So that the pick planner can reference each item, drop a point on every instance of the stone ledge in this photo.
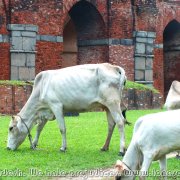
(144, 34)
(22, 51)
(100, 42)
(95, 42)
(144, 55)
(4, 38)
(49, 38)
(158, 46)
(21, 34)
(22, 27)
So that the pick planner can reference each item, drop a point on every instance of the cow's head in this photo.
(123, 172)
(17, 133)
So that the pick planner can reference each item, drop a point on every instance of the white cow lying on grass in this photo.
(154, 136)
(173, 97)
(73, 89)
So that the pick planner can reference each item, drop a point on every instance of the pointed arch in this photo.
(84, 28)
(171, 53)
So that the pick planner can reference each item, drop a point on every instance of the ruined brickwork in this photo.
(142, 36)
(13, 98)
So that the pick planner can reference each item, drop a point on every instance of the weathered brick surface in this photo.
(6, 99)
(136, 99)
(4, 61)
(158, 67)
(116, 19)
(21, 94)
(120, 19)
(48, 56)
(123, 56)
(13, 98)
(93, 54)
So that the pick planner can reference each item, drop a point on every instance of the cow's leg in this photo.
(178, 155)
(147, 160)
(58, 112)
(162, 163)
(119, 120)
(111, 125)
(38, 131)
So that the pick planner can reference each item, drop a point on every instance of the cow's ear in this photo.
(14, 121)
(13, 118)
(120, 167)
(10, 128)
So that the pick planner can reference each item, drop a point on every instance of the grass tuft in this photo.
(138, 86)
(15, 82)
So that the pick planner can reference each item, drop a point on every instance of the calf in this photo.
(154, 136)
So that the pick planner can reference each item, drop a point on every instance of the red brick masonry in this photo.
(13, 98)
(76, 21)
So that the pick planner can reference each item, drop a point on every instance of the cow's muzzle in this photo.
(8, 148)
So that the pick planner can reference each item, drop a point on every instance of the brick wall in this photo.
(167, 12)
(123, 56)
(158, 67)
(92, 54)
(4, 61)
(120, 19)
(13, 98)
(109, 25)
(48, 55)
(171, 54)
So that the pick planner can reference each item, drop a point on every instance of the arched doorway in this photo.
(171, 54)
(84, 34)
(70, 44)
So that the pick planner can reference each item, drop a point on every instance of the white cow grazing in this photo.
(154, 136)
(73, 89)
(173, 97)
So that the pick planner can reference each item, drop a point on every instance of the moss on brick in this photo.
(129, 85)
(15, 83)
(138, 86)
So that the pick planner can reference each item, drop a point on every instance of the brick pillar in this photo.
(144, 55)
(23, 42)
(4, 57)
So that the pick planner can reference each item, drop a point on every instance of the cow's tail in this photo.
(125, 120)
(123, 76)
(122, 79)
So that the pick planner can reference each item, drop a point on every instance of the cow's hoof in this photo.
(104, 149)
(33, 147)
(117, 177)
(121, 154)
(63, 149)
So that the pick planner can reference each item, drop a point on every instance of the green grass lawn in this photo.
(85, 136)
